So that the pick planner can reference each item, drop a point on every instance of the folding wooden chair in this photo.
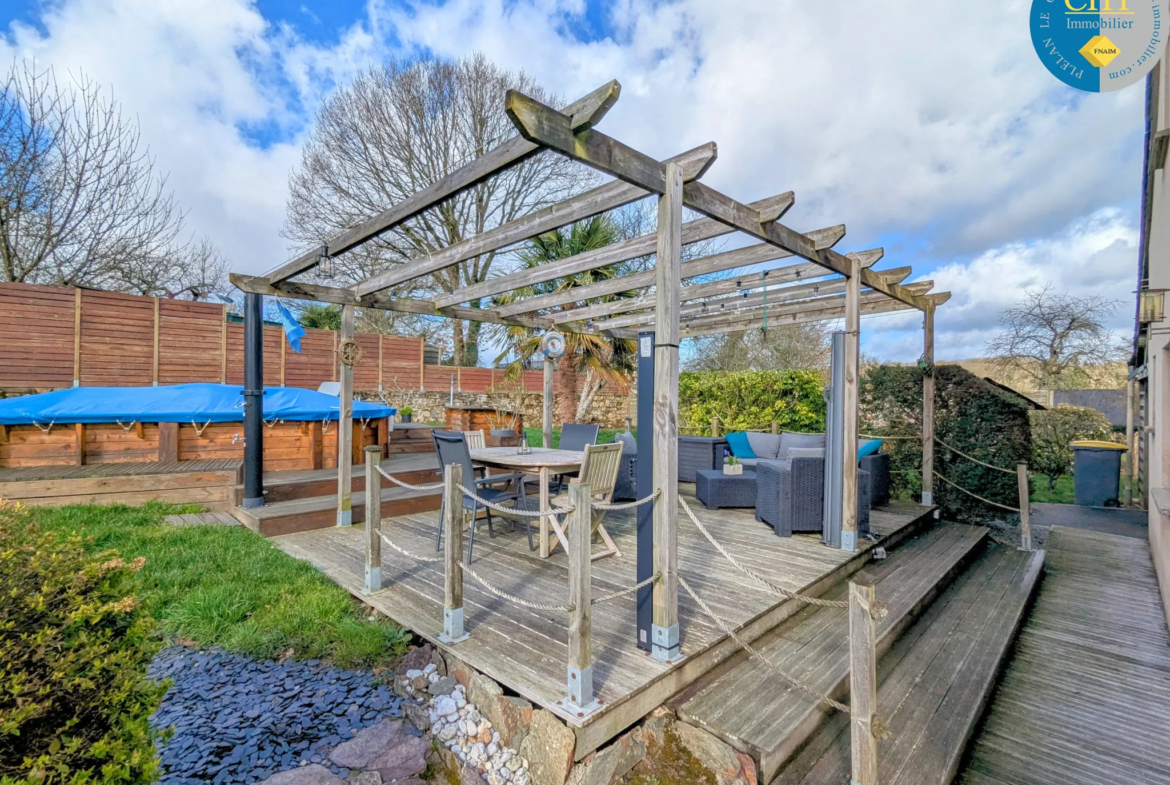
(600, 466)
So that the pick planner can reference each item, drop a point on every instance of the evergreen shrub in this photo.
(751, 400)
(75, 700)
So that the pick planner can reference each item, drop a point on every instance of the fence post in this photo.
(775, 428)
(714, 427)
(580, 675)
(1025, 517)
(373, 520)
(452, 551)
(862, 682)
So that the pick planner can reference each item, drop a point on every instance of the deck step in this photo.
(750, 708)
(319, 512)
(936, 679)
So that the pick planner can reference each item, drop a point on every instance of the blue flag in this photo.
(292, 328)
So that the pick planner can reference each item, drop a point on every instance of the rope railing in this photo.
(763, 582)
(630, 590)
(611, 507)
(819, 697)
(512, 510)
(503, 595)
(957, 487)
(408, 554)
(400, 483)
(974, 459)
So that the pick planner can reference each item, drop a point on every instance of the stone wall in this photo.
(609, 410)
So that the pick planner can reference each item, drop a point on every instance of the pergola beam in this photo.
(592, 202)
(583, 113)
(828, 314)
(715, 263)
(692, 232)
(544, 125)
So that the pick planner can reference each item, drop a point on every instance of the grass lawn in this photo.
(225, 586)
(604, 436)
(1061, 493)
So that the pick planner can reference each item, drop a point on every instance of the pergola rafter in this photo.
(825, 285)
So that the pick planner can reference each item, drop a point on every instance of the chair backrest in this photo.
(600, 466)
(574, 436)
(451, 447)
(475, 440)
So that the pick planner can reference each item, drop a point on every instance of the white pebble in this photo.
(492, 749)
(496, 736)
(430, 668)
(512, 763)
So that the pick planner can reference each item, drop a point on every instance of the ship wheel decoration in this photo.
(350, 353)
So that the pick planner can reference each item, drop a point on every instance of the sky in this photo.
(930, 129)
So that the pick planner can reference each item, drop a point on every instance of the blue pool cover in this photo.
(198, 403)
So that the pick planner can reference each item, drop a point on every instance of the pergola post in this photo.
(665, 644)
(345, 427)
(928, 405)
(547, 403)
(849, 428)
(253, 400)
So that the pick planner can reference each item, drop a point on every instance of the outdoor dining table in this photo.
(543, 461)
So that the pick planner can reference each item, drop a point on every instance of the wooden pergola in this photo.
(820, 284)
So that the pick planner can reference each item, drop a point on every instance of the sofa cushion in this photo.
(740, 446)
(789, 440)
(764, 445)
(629, 443)
(867, 447)
(806, 452)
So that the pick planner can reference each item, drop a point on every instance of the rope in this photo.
(809, 691)
(627, 505)
(273, 423)
(513, 510)
(756, 578)
(975, 496)
(975, 460)
(400, 483)
(408, 554)
(46, 429)
(324, 426)
(630, 590)
(503, 595)
(126, 428)
(199, 430)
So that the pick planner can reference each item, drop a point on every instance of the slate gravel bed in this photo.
(237, 720)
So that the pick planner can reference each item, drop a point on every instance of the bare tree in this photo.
(1052, 338)
(195, 272)
(398, 128)
(80, 200)
(804, 346)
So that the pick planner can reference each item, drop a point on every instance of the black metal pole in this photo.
(644, 482)
(253, 400)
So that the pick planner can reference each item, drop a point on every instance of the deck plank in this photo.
(1086, 698)
(526, 650)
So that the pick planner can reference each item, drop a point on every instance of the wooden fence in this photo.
(58, 337)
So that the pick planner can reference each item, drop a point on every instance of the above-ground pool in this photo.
(86, 425)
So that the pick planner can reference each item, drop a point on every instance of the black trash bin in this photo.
(1097, 473)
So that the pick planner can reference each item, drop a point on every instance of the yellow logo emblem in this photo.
(1100, 51)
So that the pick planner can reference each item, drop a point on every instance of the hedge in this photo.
(751, 400)
(75, 701)
(971, 415)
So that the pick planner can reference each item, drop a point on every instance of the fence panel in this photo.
(314, 364)
(117, 340)
(39, 321)
(190, 342)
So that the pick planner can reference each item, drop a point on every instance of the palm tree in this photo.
(602, 359)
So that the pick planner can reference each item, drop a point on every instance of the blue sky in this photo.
(954, 149)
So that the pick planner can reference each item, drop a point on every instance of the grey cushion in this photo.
(764, 445)
(790, 440)
(629, 443)
(806, 452)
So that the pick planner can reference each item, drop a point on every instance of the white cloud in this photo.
(930, 127)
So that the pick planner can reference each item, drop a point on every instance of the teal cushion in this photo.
(740, 448)
(868, 448)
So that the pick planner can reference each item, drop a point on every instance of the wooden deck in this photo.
(210, 482)
(526, 650)
(31, 473)
(1086, 698)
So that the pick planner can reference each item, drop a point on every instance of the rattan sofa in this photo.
(790, 495)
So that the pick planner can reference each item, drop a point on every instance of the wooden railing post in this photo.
(453, 631)
(1025, 513)
(580, 676)
(775, 428)
(862, 682)
(373, 520)
(714, 427)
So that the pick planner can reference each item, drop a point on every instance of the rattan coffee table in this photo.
(716, 489)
